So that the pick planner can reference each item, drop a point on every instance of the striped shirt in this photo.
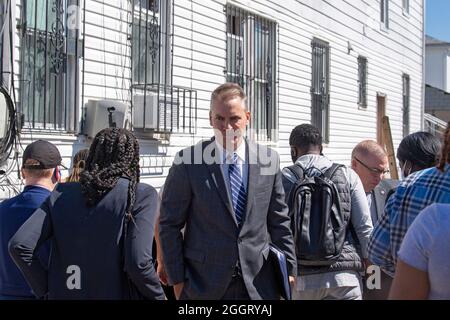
(415, 193)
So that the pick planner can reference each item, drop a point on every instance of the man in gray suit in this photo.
(227, 194)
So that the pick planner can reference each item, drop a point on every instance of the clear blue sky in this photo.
(437, 21)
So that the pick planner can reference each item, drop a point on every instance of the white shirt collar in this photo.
(225, 154)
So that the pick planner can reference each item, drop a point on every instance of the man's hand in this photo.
(366, 264)
(292, 281)
(177, 288)
(161, 272)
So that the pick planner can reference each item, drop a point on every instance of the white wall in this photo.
(435, 67)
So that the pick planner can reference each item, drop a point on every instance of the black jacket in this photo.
(87, 259)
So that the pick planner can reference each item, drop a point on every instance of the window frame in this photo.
(362, 82)
(163, 57)
(59, 74)
(384, 14)
(320, 87)
(254, 66)
(406, 103)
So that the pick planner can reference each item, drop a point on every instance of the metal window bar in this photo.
(362, 82)
(251, 47)
(157, 105)
(45, 81)
(406, 100)
(384, 13)
(320, 87)
(406, 6)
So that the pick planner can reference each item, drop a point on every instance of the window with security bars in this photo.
(48, 88)
(251, 48)
(151, 58)
(384, 13)
(362, 82)
(406, 100)
(320, 87)
(157, 105)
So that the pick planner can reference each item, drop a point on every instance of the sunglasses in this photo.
(372, 170)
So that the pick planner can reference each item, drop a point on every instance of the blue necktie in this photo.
(238, 195)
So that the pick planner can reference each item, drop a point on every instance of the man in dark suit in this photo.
(228, 195)
(370, 162)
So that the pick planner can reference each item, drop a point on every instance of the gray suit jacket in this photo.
(205, 257)
(380, 195)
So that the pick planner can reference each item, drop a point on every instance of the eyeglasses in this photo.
(372, 170)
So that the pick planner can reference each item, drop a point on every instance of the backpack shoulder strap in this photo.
(297, 171)
(332, 170)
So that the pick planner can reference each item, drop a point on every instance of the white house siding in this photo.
(199, 48)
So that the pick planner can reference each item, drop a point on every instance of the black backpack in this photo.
(318, 222)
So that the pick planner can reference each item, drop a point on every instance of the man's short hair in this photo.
(305, 135)
(228, 91)
(36, 173)
(369, 148)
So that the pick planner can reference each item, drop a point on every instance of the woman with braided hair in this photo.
(101, 229)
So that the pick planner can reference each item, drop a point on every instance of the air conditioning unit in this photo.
(167, 108)
(101, 114)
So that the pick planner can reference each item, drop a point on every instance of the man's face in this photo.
(370, 169)
(229, 119)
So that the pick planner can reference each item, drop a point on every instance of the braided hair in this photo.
(445, 156)
(114, 153)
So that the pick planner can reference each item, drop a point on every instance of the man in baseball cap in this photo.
(44, 155)
(40, 171)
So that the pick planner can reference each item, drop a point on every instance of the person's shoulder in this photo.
(388, 184)
(8, 202)
(146, 190)
(437, 209)
(145, 187)
(66, 186)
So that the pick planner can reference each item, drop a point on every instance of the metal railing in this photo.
(157, 108)
(434, 125)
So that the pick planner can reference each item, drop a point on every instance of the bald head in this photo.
(368, 148)
(370, 161)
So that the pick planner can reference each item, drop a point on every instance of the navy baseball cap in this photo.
(43, 152)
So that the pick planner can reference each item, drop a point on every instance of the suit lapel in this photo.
(219, 183)
(378, 194)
